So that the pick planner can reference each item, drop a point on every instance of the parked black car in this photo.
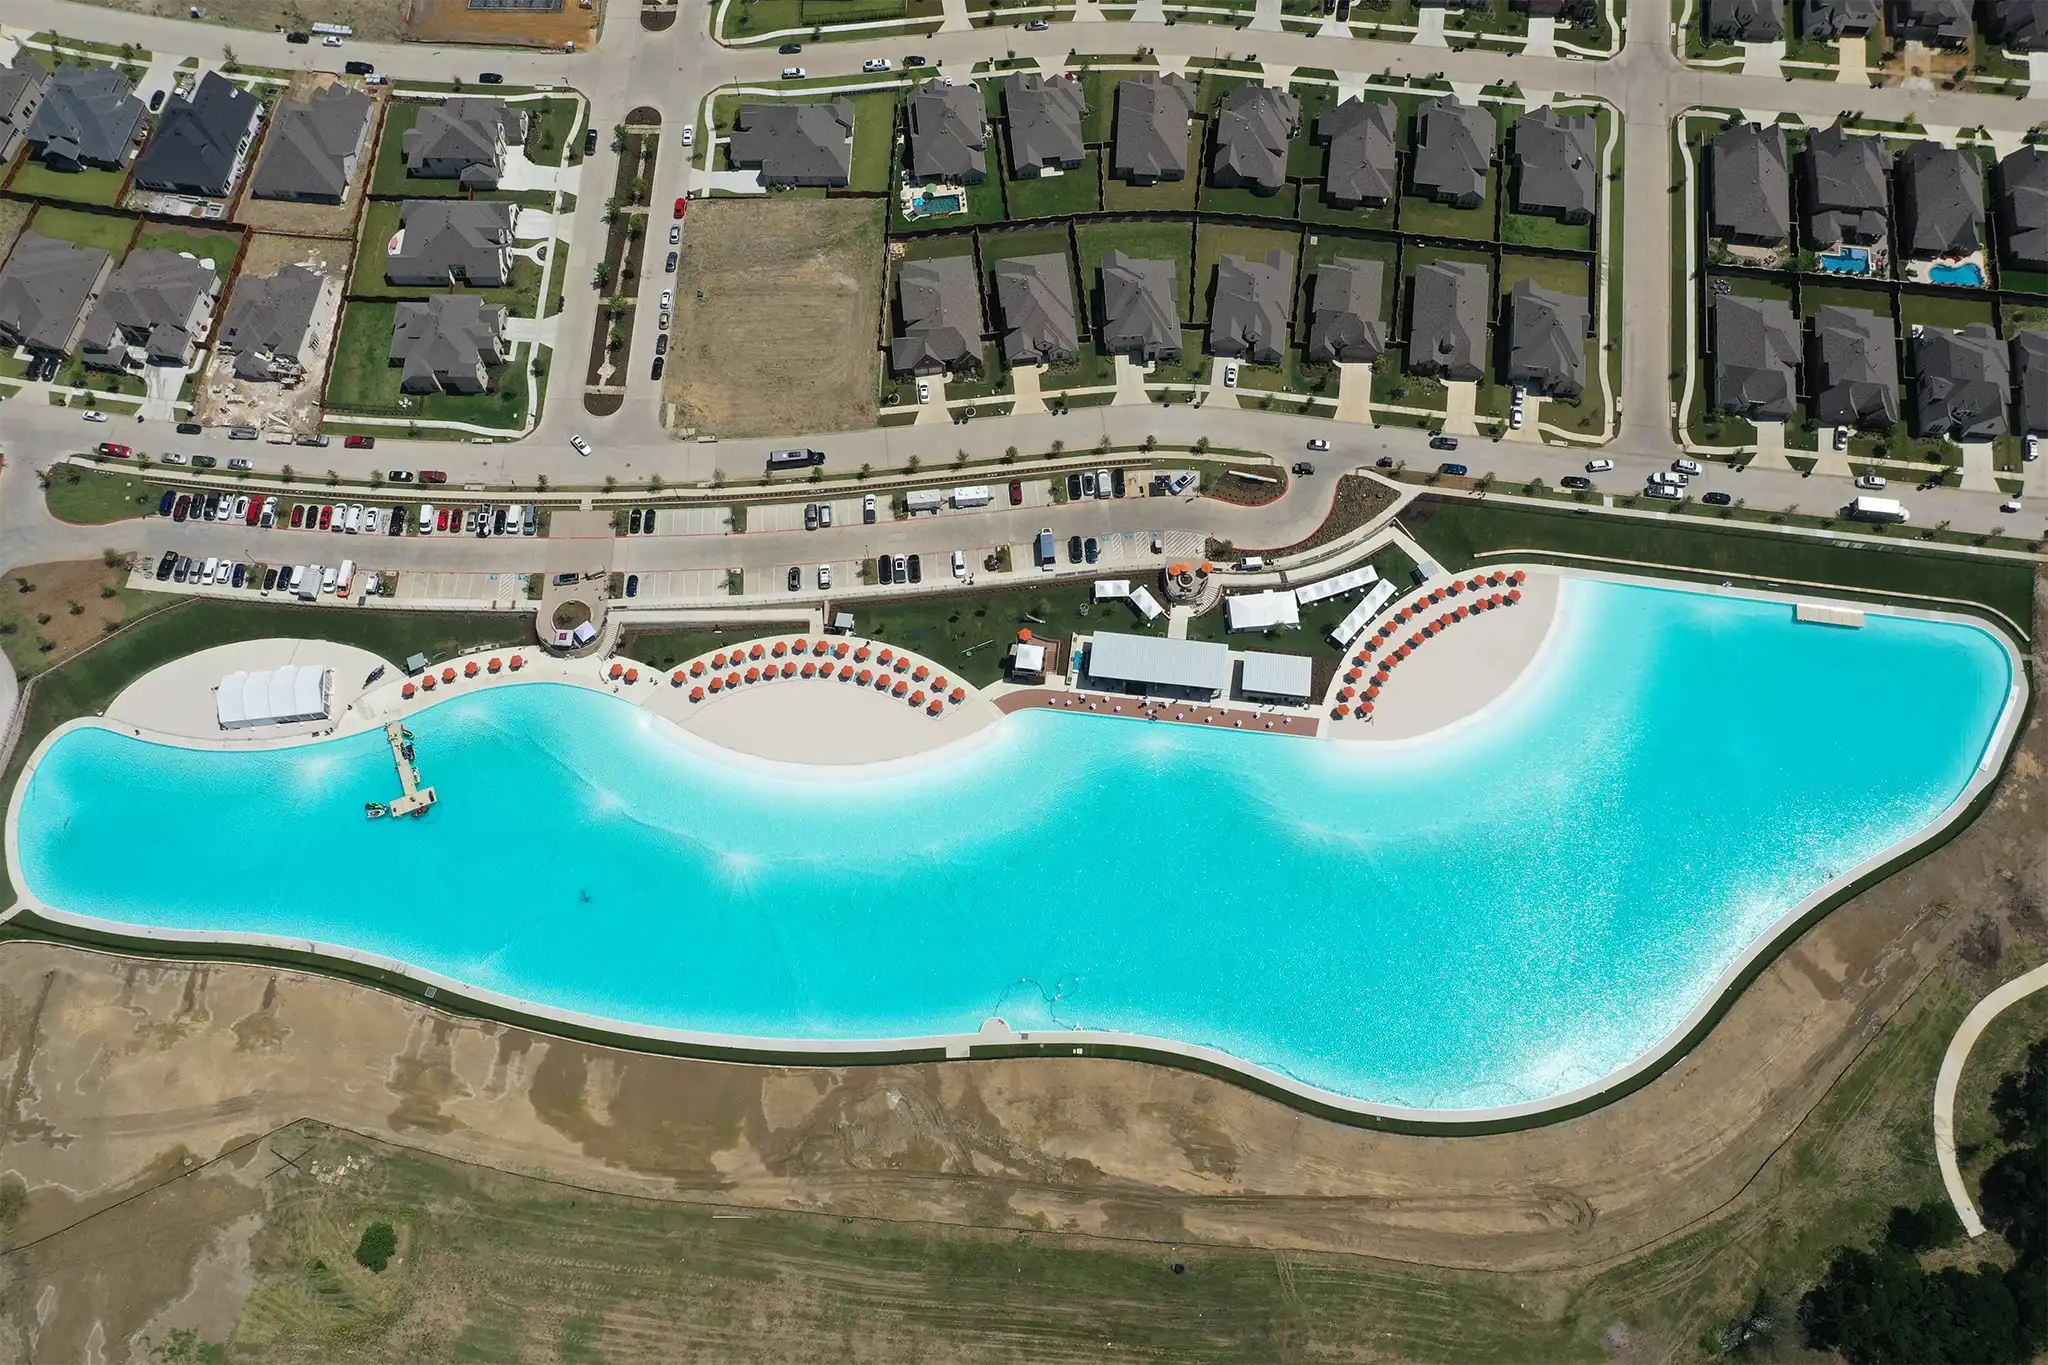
(882, 574)
(788, 49)
(654, 371)
(269, 579)
(796, 578)
(204, 461)
(916, 569)
(1073, 488)
(298, 38)
(1716, 499)
(633, 522)
(590, 142)
(1576, 481)
(166, 564)
(498, 522)
(181, 507)
(647, 523)
(632, 585)
(490, 78)
(358, 68)
(1443, 443)
(1073, 549)
(1116, 480)
(241, 575)
(1090, 550)
(913, 60)
(189, 428)
(397, 522)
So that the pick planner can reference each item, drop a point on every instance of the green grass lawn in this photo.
(75, 374)
(1428, 218)
(1099, 88)
(1565, 277)
(390, 180)
(78, 187)
(874, 135)
(218, 247)
(1530, 229)
(1315, 210)
(1943, 310)
(109, 232)
(364, 380)
(1055, 196)
(1216, 199)
(380, 222)
(98, 496)
(1215, 240)
(550, 121)
(932, 247)
(1142, 240)
(1089, 370)
(1169, 196)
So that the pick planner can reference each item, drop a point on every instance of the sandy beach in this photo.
(825, 723)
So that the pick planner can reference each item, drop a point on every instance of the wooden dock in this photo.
(1825, 614)
(416, 797)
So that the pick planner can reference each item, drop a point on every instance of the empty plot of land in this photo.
(453, 21)
(376, 21)
(777, 310)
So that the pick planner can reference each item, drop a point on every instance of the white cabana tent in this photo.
(1262, 610)
(274, 696)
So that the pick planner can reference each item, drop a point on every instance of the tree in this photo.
(1201, 445)
(1151, 442)
(287, 473)
(866, 468)
(1009, 454)
(654, 483)
(229, 62)
(610, 483)
(911, 465)
(960, 459)
(540, 483)
(1058, 447)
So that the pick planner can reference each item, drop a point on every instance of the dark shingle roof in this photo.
(2017, 25)
(1140, 305)
(941, 307)
(1756, 355)
(1944, 23)
(314, 145)
(268, 320)
(1254, 300)
(88, 114)
(1749, 189)
(1557, 165)
(1855, 370)
(2023, 207)
(1447, 320)
(1361, 166)
(1547, 340)
(200, 140)
(1036, 298)
(1745, 21)
(1345, 324)
(22, 83)
(467, 133)
(1454, 145)
(1248, 147)
(1845, 195)
(1152, 114)
(795, 144)
(1941, 200)
(449, 342)
(2030, 378)
(44, 291)
(1045, 120)
(459, 239)
(1961, 382)
(1828, 19)
(153, 301)
(948, 132)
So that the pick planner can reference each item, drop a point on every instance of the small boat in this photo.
(406, 734)
(375, 674)
(375, 810)
(407, 751)
(419, 812)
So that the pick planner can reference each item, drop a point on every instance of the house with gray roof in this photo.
(268, 327)
(1447, 313)
(1938, 23)
(2017, 25)
(1962, 380)
(939, 305)
(314, 146)
(2023, 207)
(464, 138)
(1035, 296)
(1359, 170)
(1547, 340)
(2030, 381)
(948, 133)
(1744, 21)
(45, 289)
(1749, 186)
(1248, 149)
(1941, 200)
(1853, 369)
(448, 344)
(1828, 20)
(1344, 316)
(1140, 308)
(1845, 189)
(795, 144)
(1556, 165)
(22, 83)
(1755, 344)
(1249, 316)
(453, 241)
(1454, 144)
(1152, 114)
(1045, 123)
(89, 118)
(202, 140)
(159, 303)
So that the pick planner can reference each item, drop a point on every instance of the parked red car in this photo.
(114, 452)
(433, 476)
(360, 443)
(682, 207)
(326, 517)
(255, 513)
(298, 515)
(1016, 492)
(441, 519)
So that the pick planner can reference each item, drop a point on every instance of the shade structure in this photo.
(1493, 601)
(718, 684)
(428, 682)
(789, 670)
(732, 680)
(938, 705)
(917, 697)
(1340, 709)
(780, 649)
(902, 663)
(518, 661)
(470, 669)
(920, 673)
(696, 694)
(1514, 594)
(677, 678)
(959, 695)
(756, 652)
(495, 665)
(939, 684)
(882, 681)
(886, 656)
(1352, 675)
(861, 655)
(845, 672)
(841, 650)
(1455, 589)
(1024, 636)
(753, 675)
(1365, 708)
(1518, 577)
(447, 675)
(408, 690)
(717, 661)
(901, 687)
(618, 669)
(810, 670)
(696, 668)
(1372, 691)
(632, 675)
(800, 646)
(867, 675)
(1346, 693)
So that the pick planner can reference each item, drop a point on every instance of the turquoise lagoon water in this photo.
(1517, 907)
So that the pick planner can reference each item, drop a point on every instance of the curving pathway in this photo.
(1952, 1061)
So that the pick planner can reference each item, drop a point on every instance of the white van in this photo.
(327, 577)
(308, 589)
(344, 577)
(426, 518)
(206, 574)
(959, 563)
(296, 575)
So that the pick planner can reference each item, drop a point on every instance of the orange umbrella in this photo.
(1514, 594)
(447, 675)
(917, 697)
(840, 650)
(780, 649)
(959, 695)
(789, 670)
(1365, 708)
(1455, 589)
(810, 670)
(882, 682)
(428, 682)
(845, 672)
(518, 661)
(1494, 600)
(861, 655)
(867, 675)
(677, 679)
(756, 652)
(902, 662)
(717, 684)
(939, 684)
(732, 680)
(1372, 691)
(632, 675)
(753, 675)
(1380, 676)
(408, 690)
(696, 694)
(801, 645)
(1518, 577)
(921, 673)
(469, 670)
(1347, 693)
(887, 655)
(1024, 636)
(496, 665)
(718, 662)
(696, 668)
(901, 688)
(1340, 709)
(938, 705)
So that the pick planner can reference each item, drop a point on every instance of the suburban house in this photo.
(948, 133)
(268, 328)
(1556, 165)
(1045, 123)
(22, 83)
(795, 144)
(2030, 378)
(1140, 308)
(1831, 19)
(1749, 186)
(202, 140)
(1938, 23)
(1036, 298)
(44, 290)
(449, 344)
(1755, 347)
(1454, 145)
(89, 118)
(1941, 200)
(1961, 382)
(314, 146)
(1344, 319)
(1248, 149)
(1854, 369)
(1360, 170)
(453, 241)
(1744, 21)
(1447, 320)
(1254, 301)
(2017, 25)
(940, 306)
(1152, 114)
(159, 303)
(463, 138)
(1845, 190)
(1547, 340)
(2023, 207)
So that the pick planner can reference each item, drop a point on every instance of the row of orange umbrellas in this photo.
(1426, 630)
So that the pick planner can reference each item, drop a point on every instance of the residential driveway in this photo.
(1770, 447)
(1979, 472)
(1354, 393)
(1461, 408)
(164, 382)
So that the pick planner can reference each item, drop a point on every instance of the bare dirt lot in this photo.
(784, 336)
(452, 21)
(314, 220)
(224, 400)
(377, 21)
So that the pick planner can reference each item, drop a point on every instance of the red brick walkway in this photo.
(1138, 708)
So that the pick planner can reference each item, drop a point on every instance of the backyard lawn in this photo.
(1215, 240)
(1426, 217)
(1055, 196)
(874, 135)
(219, 247)
(365, 380)
(109, 232)
(1141, 240)
(380, 224)
(390, 180)
(1169, 196)
(78, 187)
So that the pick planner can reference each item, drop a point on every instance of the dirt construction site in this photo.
(224, 400)
(777, 306)
(453, 21)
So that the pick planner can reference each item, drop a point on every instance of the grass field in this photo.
(77, 187)
(97, 496)
(874, 136)
(549, 121)
(109, 232)
(1054, 196)
(1168, 196)
(219, 247)
(1431, 219)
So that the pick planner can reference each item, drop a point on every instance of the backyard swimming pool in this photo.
(1496, 915)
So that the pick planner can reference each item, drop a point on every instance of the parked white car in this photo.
(689, 134)
(1687, 467)
(1871, 481)
(582, 447)
(875, 64)
(1599, 466)
(794, 73)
